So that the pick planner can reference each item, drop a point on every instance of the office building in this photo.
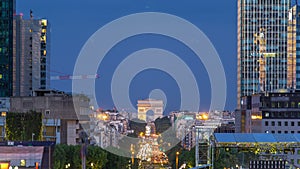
(293, 45)
(262, 47)
(31, 55)
(7, 10)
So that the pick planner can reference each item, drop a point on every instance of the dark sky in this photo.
(74, 21)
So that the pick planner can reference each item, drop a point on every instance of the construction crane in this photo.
(74, 77)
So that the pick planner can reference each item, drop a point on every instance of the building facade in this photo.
(262, 46)
(7, 10)
(275, 113)
(64, 116)
(4, 108)
(293, 45)
(31, 59)
(150, 109)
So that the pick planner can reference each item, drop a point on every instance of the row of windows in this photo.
(281, 132)
(280, 123)
(283, 105)
(281, 115)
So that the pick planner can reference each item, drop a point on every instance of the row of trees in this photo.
(69, 156)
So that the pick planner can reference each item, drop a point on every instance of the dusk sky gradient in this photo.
(73, 22)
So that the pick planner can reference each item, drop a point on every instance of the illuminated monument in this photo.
(150, 109)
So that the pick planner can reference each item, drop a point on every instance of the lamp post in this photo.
(32, 135)
(177, 154)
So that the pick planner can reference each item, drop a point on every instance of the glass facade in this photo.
(262, 46)
(294, 46)
(7, 10)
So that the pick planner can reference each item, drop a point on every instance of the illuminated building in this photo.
(31, 55)
(6, 46)
(262, 46)
(150, 109)
(293, 46)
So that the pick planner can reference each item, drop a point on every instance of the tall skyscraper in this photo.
(293, 45)
(31, 55)
(262, 46)
(7, 10)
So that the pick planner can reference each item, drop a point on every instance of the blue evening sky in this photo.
(74, 21)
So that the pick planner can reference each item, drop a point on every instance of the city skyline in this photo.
(78, 22)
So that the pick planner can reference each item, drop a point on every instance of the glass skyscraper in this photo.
(262, 46)
(7, 10)
(293, 45)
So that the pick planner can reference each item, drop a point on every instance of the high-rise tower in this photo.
(7, 10)
(31, 55)
(262, 46)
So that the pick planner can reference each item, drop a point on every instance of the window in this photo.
(298, 123)
(273, 105)
(286, 104)
(267, 114)
(293, 104)
(292, 132)
(273, 123)
(285, 132)
(285, 123)
(279, 131)
(273, 131)
(292, 123)
(279, 123)
(266, 123)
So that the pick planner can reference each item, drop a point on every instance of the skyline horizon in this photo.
(60, 25)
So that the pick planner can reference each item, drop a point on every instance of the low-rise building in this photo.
(64, 115)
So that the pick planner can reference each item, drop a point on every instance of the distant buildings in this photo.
(150, 109)
(187, 123)
(8, 9)
(31, 56)
(108, 127)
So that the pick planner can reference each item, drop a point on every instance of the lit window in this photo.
(23, 163)
(1, 76)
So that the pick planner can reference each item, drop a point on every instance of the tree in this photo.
(162, 124)
(97, 157)
(138, 126)
(59, 156)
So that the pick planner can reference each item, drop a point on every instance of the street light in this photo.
(92, 165)
(32, 135)
(68, 165)
(177, 154)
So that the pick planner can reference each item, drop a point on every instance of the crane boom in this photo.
(75, 77)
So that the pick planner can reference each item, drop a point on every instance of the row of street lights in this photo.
(67, 166)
